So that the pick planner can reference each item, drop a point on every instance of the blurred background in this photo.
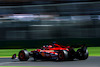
(32, 23)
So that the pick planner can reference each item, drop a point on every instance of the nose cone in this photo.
(14, 56)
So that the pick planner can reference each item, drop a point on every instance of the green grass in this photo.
(93, 51)
(10, 52)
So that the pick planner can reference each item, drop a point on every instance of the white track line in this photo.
(3, 63)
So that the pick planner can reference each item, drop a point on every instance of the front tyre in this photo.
(23, 55)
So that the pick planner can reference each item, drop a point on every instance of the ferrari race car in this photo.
(54, 52)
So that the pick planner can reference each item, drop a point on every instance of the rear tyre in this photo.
(23, 55)
(82, 55)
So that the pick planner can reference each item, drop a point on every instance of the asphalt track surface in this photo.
(90, 62)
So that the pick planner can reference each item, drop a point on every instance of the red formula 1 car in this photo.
(53, 52)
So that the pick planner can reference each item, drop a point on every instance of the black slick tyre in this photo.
(62, 55)
(82, 55)
(23, 55)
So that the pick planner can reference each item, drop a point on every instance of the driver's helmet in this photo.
(43, 46)
(46, 45)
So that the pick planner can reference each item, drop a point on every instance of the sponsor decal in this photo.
(47, 55)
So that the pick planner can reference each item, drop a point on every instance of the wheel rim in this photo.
(22, 56)
(61, 56)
